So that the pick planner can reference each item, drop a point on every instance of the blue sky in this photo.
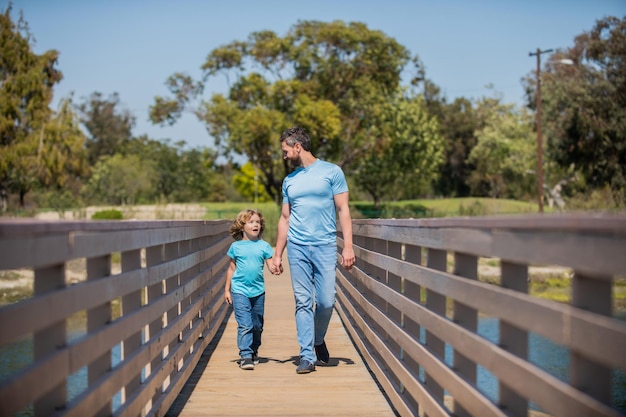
(132, 46)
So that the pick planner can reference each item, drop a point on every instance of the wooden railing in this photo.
(415, 298)
(412, 304)
(123, 342)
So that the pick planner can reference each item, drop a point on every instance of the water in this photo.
(548, 356)
(543, 353)
(20, 354)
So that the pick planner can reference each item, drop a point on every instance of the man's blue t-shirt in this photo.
(249, 256)
(310, 191)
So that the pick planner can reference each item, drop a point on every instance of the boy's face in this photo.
(252, 228)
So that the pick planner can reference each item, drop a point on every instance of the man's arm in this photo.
(345, 220)
(281, 238)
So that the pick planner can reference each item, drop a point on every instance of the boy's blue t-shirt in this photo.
(310, 191)
(249, 256)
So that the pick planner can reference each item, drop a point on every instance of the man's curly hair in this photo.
(297, 134)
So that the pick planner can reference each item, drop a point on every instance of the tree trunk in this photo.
(4, 200)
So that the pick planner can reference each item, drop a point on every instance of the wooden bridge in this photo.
(155, 337)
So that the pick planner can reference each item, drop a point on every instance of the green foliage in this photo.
(390, 211)
(26, 82)
(181, 175)
(405, 160)
(504, 155)
(59, 200)
(599, 199)
(109, 127)
(330, 78)
(61, 154)
(111, 214)
(121, 180)
(229, 210)
(584, 106)
(248, 184)
(452, 207)
(476, 208)
(458, 123)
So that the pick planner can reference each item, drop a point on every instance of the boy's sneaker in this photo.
(246, 363)
(255, 358)
(321, 351)
(305, 367)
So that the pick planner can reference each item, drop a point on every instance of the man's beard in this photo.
(295, 162)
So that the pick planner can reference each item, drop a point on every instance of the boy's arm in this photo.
(270, 264)
(229, 277)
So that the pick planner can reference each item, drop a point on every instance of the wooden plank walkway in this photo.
(220, 388)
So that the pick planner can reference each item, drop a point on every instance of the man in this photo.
(314, 195)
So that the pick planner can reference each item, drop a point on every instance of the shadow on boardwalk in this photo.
(218, 387)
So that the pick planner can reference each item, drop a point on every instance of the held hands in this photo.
(276, 266)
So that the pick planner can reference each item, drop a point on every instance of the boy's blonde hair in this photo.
(236, 230)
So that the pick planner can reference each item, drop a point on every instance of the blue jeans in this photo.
(313, 281)
(249, 315)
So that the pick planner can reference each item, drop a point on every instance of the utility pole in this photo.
(539, 139)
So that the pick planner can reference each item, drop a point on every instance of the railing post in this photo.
(591, 293)
(154, 256)
(377, 273)
(512, 338)
(435, 302)
(186, 248)
(170, 252)
(131, 260)
(97, 318)
(465, 266)
(48, 340)
(412, 254)
(394, 281)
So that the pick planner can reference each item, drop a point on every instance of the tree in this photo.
(26, 81)
(584, 106)
(458, 124)
(247, 183)
(60, 152)
(121, 180)
(330, 78)
(200, 179)
(405, 161)
(505, 155)
(61, 160)
(109, 127)
(181, 175)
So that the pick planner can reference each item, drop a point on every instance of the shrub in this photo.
(107, 215)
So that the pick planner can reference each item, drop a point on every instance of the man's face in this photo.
(292, 153)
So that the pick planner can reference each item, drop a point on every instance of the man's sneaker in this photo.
(305, 367)
(322, 353)
(246, 363)
(255, 358)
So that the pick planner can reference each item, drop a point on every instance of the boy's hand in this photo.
(227, 297)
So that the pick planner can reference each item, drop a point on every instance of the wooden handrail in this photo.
(412, 304)
(169, 305)
(415, 297)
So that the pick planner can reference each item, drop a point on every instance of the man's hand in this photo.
(347, 258)
(276, 267)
